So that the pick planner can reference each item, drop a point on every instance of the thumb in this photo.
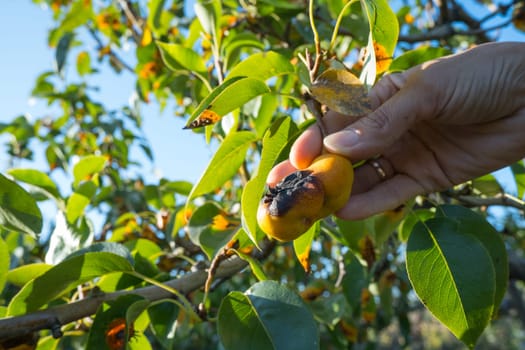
(375, 132)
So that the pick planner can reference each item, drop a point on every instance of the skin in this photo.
(433, 126)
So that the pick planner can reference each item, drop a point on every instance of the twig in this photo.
(112, 54)
(136, 27)
(503, 199)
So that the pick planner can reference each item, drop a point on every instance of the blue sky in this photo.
(179, 154)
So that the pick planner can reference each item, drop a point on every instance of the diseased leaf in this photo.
(210, 229)
(18, 210)
(342, 92)
(207, 117)
(303, 245)
(230, 95)
(382, 39)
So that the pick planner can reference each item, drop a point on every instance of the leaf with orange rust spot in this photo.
(207, 117)
(342, 92)
(303, 244)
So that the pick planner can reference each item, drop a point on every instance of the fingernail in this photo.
(343, 140)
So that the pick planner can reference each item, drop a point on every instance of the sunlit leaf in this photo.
(342, 92)
(417, 56)
(262, 66)
(36, 178)
(23, 274)
(276, 139)
(178, 57)
(63, 277)
(224, 164)
(18, 210)
(261, 319)
(87, 167)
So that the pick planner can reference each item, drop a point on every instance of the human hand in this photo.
(434, 126)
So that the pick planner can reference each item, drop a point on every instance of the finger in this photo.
(375, 132)
(387, 195)
(310, 143)
(385, 88)
(279, 172)
(371, 173)
(307, 146)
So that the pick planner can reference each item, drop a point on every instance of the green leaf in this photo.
(163, 316)
(25, 273)
(63, 277)
(255, 266)
(417, 56)
(487, 185)
(79, 200)
(79, 14)
(62, 50)
(518, 170)
(453, 275)
(37, 179)
(209, 13)
(5, 260)
(18, 210)
(354, 281)
(230, 95)
(267, 316)
(473, 223)
(225, 163)
(155, 10)
(203, 232)
(87, 167)
(277, 139)
(178, 57)
(412, 218)
(262, 66)
(384, 31)
(83, 63)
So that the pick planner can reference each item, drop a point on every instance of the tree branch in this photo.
(54, 317)
(503, 199)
